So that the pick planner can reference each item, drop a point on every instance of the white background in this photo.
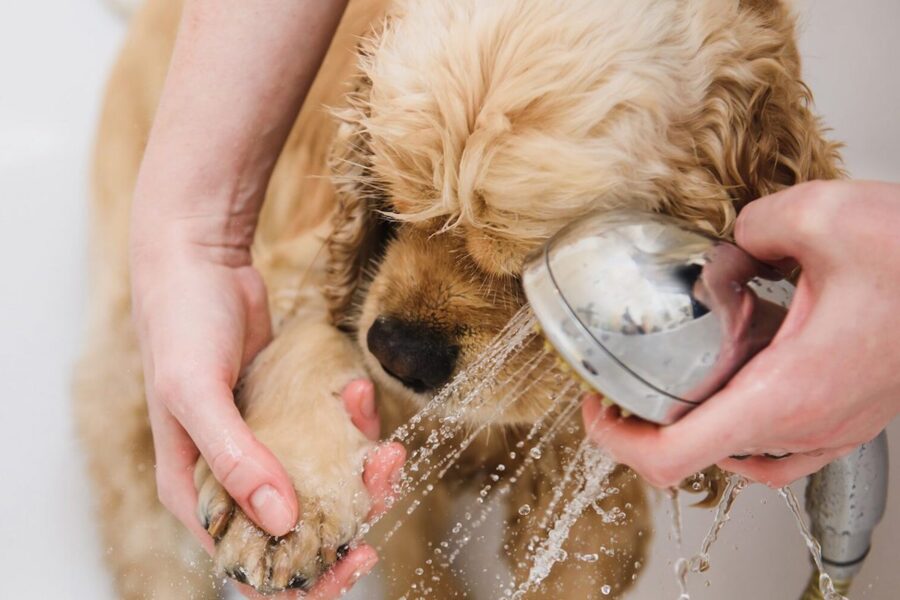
(54, 56)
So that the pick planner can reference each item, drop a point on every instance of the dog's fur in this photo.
(466, 132)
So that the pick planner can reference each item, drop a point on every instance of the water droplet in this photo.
(524, 510)
(606, 590)
(535, 453)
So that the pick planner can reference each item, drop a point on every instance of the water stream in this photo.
(677, 524)
(588, 472)
(826, 585)
(700, 562)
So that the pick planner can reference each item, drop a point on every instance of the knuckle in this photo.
(224, 465)
(816, 208)
(168, 388)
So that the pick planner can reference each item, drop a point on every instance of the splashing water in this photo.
(460, 542)
(826, 585)
(464, 388)
(585, 475)
(592, 467)
(454, 403)
(421, 468)
(480, 374)
(700, 562)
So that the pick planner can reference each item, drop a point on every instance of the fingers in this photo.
(251, 594)
(246, 468)
(382, 470)
(384, 462)
(779, 473)
(666, 455)
(176, 456)
(795, 223)
(359, 401)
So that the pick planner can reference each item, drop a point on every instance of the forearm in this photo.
(239, 73)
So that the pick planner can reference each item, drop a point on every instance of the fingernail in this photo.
(271, 510)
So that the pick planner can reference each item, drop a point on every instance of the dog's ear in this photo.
(756, 132)
(358, 231)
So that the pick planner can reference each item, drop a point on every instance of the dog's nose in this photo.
(421, 357)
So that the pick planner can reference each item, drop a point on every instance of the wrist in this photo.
(191, 218)
(162, 237)
(208, 199)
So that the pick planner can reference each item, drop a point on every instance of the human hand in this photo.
(200, 319)
(201, 315)
(830, 379)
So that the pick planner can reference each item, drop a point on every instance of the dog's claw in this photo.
(217, 525)
(298, 582)
(342, 551)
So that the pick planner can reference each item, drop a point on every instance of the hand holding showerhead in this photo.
(675, 326)
(831, 379)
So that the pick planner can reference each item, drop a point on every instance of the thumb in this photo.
(789, 224)
(248, 470)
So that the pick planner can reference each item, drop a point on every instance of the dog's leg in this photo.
(149, 552)
(290, 397)
(599, 553)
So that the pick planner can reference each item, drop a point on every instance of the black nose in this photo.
(421, 357)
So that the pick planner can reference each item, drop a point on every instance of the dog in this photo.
(459, 136)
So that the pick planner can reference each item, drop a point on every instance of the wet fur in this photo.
(463, 135)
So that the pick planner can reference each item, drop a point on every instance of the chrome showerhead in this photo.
(652, 312)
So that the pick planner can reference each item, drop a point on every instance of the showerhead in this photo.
(652, 312)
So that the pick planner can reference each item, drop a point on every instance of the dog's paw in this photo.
(328, 523)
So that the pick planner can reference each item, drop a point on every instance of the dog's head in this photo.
(478, 128)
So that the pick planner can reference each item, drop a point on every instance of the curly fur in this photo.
(513, 118)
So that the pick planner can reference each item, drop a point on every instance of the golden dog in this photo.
(463, 134)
